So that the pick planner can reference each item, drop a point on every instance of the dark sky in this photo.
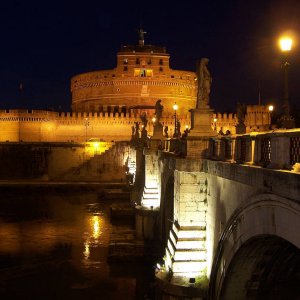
(45, 43)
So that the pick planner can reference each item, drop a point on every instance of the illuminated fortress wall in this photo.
(47, 126)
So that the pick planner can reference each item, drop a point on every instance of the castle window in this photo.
(161, 62)
(149, 61)
(137, 61)
(113, 75)
(125, 61)
(125, 68)
(161, 69)
(143, 72)
(172, 76)
(149, 73)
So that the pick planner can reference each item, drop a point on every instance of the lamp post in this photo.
(215, 124)
(286, 119)
(175, 107)
(86, 124)
(270, 109)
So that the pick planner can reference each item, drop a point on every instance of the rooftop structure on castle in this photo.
(141, 77)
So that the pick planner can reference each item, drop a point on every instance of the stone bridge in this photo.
(227, 213)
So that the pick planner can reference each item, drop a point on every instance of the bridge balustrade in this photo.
(276, 150)
(294, 150)
(175, 146)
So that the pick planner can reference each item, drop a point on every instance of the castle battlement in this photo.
(41, 125)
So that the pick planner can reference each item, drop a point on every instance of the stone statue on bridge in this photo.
(204, 83)
(144, 120)
(241, 115)
(158, 111)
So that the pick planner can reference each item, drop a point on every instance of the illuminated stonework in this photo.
(142, 76)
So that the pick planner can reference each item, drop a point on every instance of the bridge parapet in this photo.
(275, 150)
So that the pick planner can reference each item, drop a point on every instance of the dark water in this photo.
(55, 246)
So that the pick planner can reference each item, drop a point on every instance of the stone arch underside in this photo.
(259, 244)
(265, 267)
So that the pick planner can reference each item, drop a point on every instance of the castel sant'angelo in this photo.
(106, 104)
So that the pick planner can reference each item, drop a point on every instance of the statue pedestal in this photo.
(200, 133)
(158, 132)
(201, 122)
(240, 128)
(158, 137)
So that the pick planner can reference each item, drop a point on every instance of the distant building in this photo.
(142, 76)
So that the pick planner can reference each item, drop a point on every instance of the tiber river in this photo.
(55, 246)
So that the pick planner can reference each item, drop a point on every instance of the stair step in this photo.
(171, 247)
(173, 237)
(191, 239)
(181, 255)
(150, 196)
(151, 190)
(168, 260)
(190, 245)
(191, 234)
(190, 274)
(188, 228)
(191, 266)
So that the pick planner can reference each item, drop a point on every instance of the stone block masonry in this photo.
(62, 162)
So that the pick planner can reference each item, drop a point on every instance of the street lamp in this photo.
(175, 107)
(270, 109)
(285, 44)
(86, 124)
(215, 124)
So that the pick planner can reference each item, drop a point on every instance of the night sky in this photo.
(45, 43)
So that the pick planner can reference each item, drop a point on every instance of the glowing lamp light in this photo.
(270, 108)
(153, 120)
(175, 106)
(96, 145)
(285, 44)
(215, 120)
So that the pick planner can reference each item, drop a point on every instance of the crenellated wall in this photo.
(49, 126)
(46, 126)
(257, 118)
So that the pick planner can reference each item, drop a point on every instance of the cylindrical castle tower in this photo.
(142, 76)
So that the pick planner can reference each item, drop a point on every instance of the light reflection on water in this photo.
(81, 225)
(89, 229)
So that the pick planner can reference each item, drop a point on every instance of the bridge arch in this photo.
(261, 234)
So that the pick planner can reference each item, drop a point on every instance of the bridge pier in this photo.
(186, 248)
(147, 211)
(184, 273)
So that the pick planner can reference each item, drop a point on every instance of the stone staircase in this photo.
(101, 166)
(186, 251)
(150, 198)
